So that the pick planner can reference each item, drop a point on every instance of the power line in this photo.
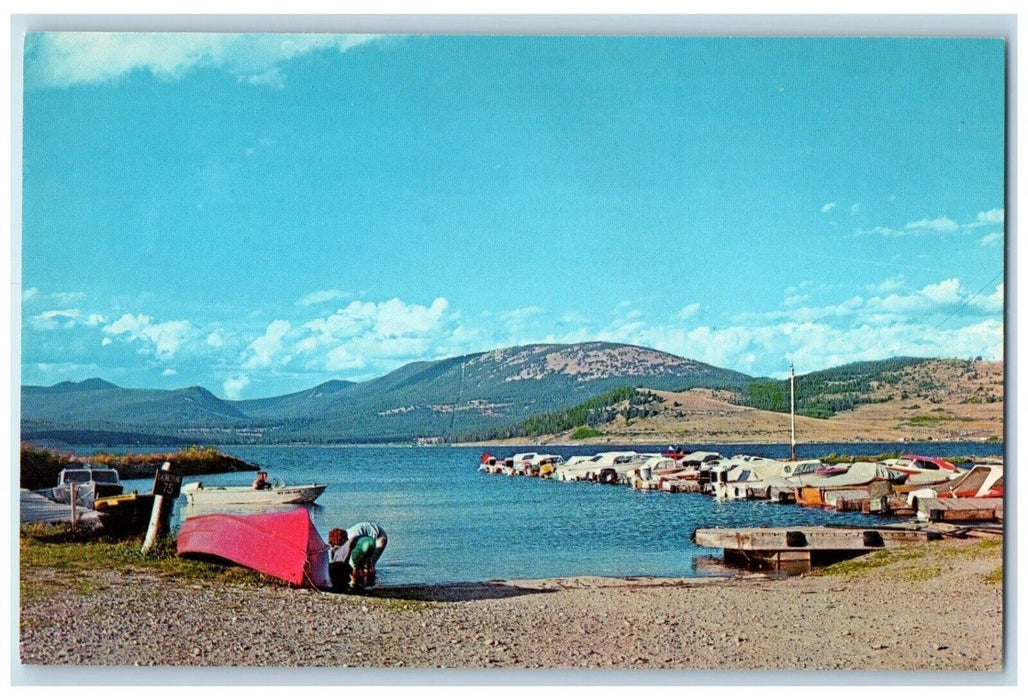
(966, 302)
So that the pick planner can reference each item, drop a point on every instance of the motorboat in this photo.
(197, 494)
(89, 481)
(585, 468)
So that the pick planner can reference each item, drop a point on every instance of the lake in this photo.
(448, 522)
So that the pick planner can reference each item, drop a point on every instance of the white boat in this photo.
(585, 468)
(199, 495)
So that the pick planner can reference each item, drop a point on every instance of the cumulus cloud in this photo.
(29, 294)
(992, 303)
(827, 207)
(215, 339)
(169, 372)
(319, 297)
(65, 319)
(262, 351)
(233, 386)
(992, 240)
(62, 59)
(689, 310)
(353, 336)
(161, 339)
(987, 218)
(889, 285)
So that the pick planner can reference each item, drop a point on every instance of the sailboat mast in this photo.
(792, 410)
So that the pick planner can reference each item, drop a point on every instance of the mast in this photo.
(792, 410)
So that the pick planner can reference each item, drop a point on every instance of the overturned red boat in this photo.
(285, 545)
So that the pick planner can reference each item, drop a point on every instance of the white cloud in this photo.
(992, 240)
(522, 313)
(855, 209)
(233, 386)
(29, 294)
(993, 216)
(105, 342)
(889, 285)
(319, 297)
(215, 339)
(944, 292)
(992, 303)
(162, 339)
(263, 350)
(794, 299)
(64, 319)
(362, 333)
(169, 372)
(61, 59)
(941, 224)
(827, 207)
(689, 310)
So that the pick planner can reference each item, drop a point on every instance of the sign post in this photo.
(166, 487)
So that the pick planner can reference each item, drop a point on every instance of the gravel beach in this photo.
(941, 609)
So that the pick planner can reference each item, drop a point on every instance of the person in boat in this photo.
(350, 560)
(379, 538)
(261, 482)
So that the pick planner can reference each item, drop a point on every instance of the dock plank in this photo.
(805, 538)
(37, 509)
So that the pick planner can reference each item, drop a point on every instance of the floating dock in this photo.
(803, 547)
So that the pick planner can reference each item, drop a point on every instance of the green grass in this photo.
(995, 576)
(918, 571)
(55, 556)
(585, 431)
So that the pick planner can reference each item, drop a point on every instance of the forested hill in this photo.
(527, 390)
(423, 400)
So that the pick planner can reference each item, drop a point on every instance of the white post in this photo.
(792, 410)
(156, 517)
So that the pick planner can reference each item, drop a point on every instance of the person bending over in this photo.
(378, 535)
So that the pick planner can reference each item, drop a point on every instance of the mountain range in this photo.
(469, 397)
(420, 400)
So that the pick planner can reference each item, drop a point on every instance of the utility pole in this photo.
(792, 410)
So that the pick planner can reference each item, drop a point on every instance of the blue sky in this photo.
(260, 213)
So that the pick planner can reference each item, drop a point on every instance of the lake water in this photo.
(448, 522)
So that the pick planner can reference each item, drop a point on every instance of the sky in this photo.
(261, 213)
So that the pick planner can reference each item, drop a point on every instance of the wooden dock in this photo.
(802, 547)
(37, 509)
(950, 510)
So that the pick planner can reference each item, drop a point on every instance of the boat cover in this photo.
(285, 545)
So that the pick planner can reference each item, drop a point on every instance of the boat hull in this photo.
(285, 545)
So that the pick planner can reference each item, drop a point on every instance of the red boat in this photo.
(285, 545)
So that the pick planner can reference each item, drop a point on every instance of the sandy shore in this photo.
(938, 610)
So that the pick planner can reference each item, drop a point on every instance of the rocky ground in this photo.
(940, 607)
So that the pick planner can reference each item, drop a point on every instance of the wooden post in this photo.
(159, 516)
(74, 513)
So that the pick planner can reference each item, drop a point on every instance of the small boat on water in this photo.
(285, 545)
(199, 495)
